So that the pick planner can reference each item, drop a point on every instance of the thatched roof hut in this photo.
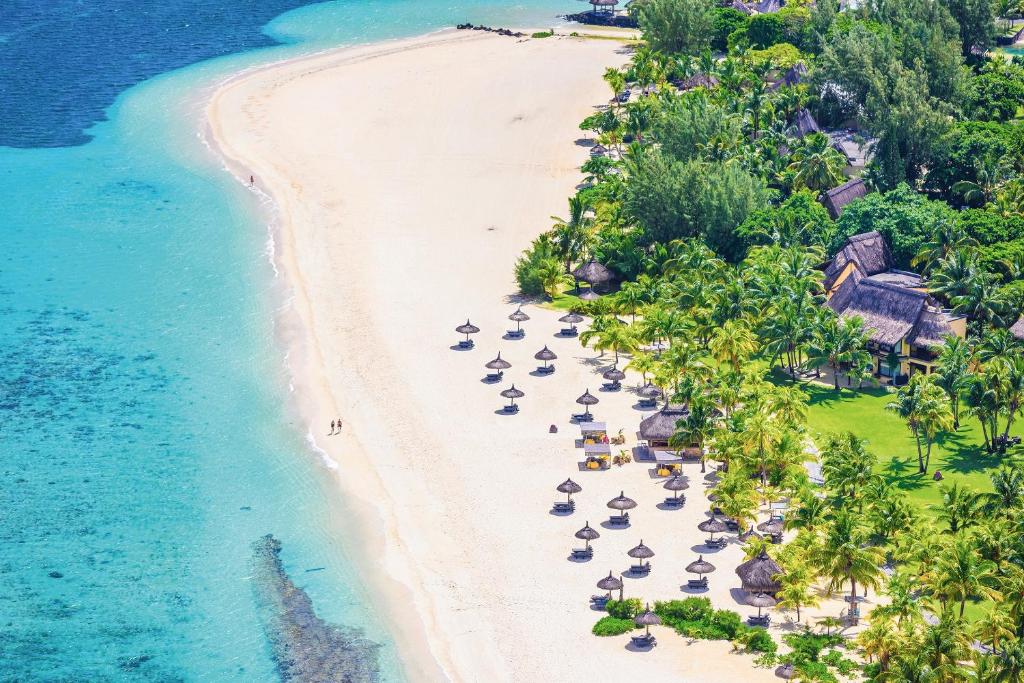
(891, 314)
(699, 81)
(804, 124)
(1017, 329)
(604, 5)
(658, 428)
(592, 272)
(758, 575)
(868, 252)
(836, 199)
(793, 76)
(741, 7)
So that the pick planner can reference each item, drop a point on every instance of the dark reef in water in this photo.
(305, 647)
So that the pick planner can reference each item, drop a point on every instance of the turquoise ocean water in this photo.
(145, 442)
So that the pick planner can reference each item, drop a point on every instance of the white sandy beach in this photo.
(409, 175)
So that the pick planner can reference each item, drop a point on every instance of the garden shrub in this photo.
(612, 626)
(625, 609)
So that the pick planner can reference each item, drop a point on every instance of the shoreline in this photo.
(461, 568)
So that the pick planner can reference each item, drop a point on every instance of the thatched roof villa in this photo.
(836, 199)
(898, 313)
(657, 429)
(804, 124)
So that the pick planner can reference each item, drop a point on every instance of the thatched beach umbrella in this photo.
(467, 329)
(592, 272)
(758, 575)
(700, 566)
(640, 552)
(610, 583)
(772, 526)
(571, 318)
(713, 526)
(512, 394)
(587, 399)
(498, 363)
(647, 618)
(569, 487)
(649, 391)
(621, 502)
(614, 375)
(676, 484)
(786, 671)
(545, 355)
(748, 535)
(589, 295)
(519, 317)
(588, 534)
(760, 601)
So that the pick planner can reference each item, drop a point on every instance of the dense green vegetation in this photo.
(706, 210)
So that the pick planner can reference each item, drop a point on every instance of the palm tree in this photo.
(844, 554)
(837, 341)
(943, 646)
(570, 236)
(954, 362)
(946, 236)
(879, 640)
(994, 627)
(615, 337)
(1010, 666)
(797, 588)
(955, 273)
(925, 408)
(643, 363)
(816, 164)
(697, 427)
(1008, 494)
(629, 298)
(962, 575)
(961, 508)
(990, 174)
(733, 342)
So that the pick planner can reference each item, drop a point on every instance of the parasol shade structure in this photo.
(588, 534)
(512, 394)
(786, 672)
(712, 526)
(700, 566)
(649, 391)
(569, 487)
(621, 502)
(587, 399)
(749, 535)
(772, 526)
(647, 618)
(760, 574)
(610, 583)
(467, 329)
(518, 317)
(761, 601)
(590, 295)
(676, 484)
(571, 318)
(640, 552)
(498, 363)
(614, 375)
(592, 272)
(545, 355)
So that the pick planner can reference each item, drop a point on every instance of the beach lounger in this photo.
(564, 507)
(545, 369)
(511, 409)
(582, 417)
(698, 584)
(648, 403)
(641, 569)
(619, 520)
(567, 332)
(644, 641)
(515, 334)
(582, 553)
(764, 620)
(495, 376)
(466, 344)
(675, 502)
(714, 543)
(612, 386)
(599, 601)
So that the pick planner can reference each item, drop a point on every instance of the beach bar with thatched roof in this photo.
(593, 273)
(759, 575)
(656, 430)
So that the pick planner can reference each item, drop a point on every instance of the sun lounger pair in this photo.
(611, 386)
(582, 553)
(648, 403)
(511, 408)
(644, 641)
(583, 417)
(466, 344)
(568, 332)
(564, 507)
(641, 569)
(675, 502)
(599, 601)
(714, 543)
(619, 520)
(495, 376)
(545, 369)
(698, 584)
(764, 620)
(515, 334)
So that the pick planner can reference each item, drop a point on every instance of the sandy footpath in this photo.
(408, 176)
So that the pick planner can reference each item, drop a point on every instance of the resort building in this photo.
(1017, 329)
(656, 430)
(905, 325)
(836, 199)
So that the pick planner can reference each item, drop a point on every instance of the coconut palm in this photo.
(1008, 490)
(994, 627)
(926, 409)
(697, 427)
(960, 509)
(961, 575)
(733, 342)
(816, 164)
(954, 362)
(845, 555)
(797, 588)
(571, 236)
(615, 337)
(947, 236)
(835, 342)
(879, 640)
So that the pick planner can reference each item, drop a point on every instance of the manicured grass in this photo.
(959, 456)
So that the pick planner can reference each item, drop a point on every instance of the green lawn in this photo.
(960, 456)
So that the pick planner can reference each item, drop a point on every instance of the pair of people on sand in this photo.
(335, 427)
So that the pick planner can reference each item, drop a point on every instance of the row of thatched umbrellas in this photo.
(519, 316)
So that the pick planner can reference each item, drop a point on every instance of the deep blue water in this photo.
(146, 440)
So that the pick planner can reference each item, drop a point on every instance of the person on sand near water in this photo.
(252, 181)
(332, 428)
(339, 425)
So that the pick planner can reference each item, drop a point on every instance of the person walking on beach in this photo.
(332, 428)
(339, 425)
(252, 181)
